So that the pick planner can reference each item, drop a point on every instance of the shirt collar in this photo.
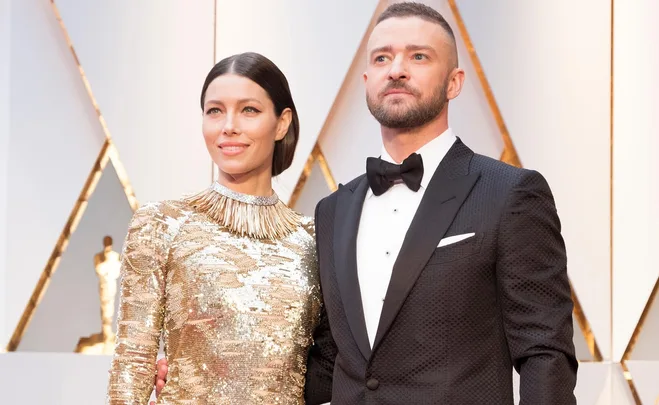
(432, 154)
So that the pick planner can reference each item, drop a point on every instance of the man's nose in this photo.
(398, 70)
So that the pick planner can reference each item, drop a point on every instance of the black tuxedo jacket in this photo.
(456, 319)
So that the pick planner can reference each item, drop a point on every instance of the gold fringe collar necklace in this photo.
(246, 215)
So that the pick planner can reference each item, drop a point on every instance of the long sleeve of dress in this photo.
(141, 308)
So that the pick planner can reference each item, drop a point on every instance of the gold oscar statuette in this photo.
(107, 264)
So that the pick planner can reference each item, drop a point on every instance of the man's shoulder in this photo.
(352, 184)
(506, 175)
(500, 171)
(330, 200)
(492, 166)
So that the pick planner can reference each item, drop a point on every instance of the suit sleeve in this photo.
(320, 363)
(536, 294)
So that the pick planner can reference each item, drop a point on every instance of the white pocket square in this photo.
(454, 239)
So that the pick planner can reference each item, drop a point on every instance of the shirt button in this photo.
(395, 210)
(386, 253)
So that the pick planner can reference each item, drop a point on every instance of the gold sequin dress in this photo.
(230, 281)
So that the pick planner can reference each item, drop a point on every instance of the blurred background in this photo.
(99, 113)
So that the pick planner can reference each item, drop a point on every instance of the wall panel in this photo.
(55, 138)
(636, 168)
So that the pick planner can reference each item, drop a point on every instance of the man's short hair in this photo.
(412, 9)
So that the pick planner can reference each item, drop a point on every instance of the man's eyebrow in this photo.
(419, 48)
(411, 47)
(386, 48)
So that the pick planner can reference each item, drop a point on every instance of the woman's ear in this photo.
(283, 124)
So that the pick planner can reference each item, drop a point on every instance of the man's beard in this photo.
(399, 117)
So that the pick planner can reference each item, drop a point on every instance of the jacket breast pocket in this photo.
(457, 251)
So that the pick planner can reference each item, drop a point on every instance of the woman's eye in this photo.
(251, 110)
(213, 110)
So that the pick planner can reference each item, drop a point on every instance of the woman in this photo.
(228, 276)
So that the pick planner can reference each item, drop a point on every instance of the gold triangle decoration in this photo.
(316, 155)
(630, 381)
(634, 338)
(107, 153)
(584, 325)
(61, 245)
(113, 154)
(641, 321)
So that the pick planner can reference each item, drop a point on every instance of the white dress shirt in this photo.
(382, 228)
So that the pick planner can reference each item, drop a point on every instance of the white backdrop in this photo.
(4, 155)
(636, 168)
(548, 65)
(636, 192)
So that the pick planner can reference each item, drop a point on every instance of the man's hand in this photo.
(161, 377)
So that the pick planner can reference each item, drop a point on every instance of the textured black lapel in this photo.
(447, 190)
(346, 224)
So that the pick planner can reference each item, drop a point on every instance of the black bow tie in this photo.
(382, 174)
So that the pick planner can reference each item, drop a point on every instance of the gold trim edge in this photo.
(324, 167)
(584, 325)
(630, 381)
(113, 153)
(641, 322)
(302, 180)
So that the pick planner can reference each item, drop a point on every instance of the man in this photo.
(441, 269)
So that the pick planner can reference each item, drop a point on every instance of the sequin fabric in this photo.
(236, 313)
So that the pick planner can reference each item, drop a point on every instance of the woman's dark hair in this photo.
(266, 74)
